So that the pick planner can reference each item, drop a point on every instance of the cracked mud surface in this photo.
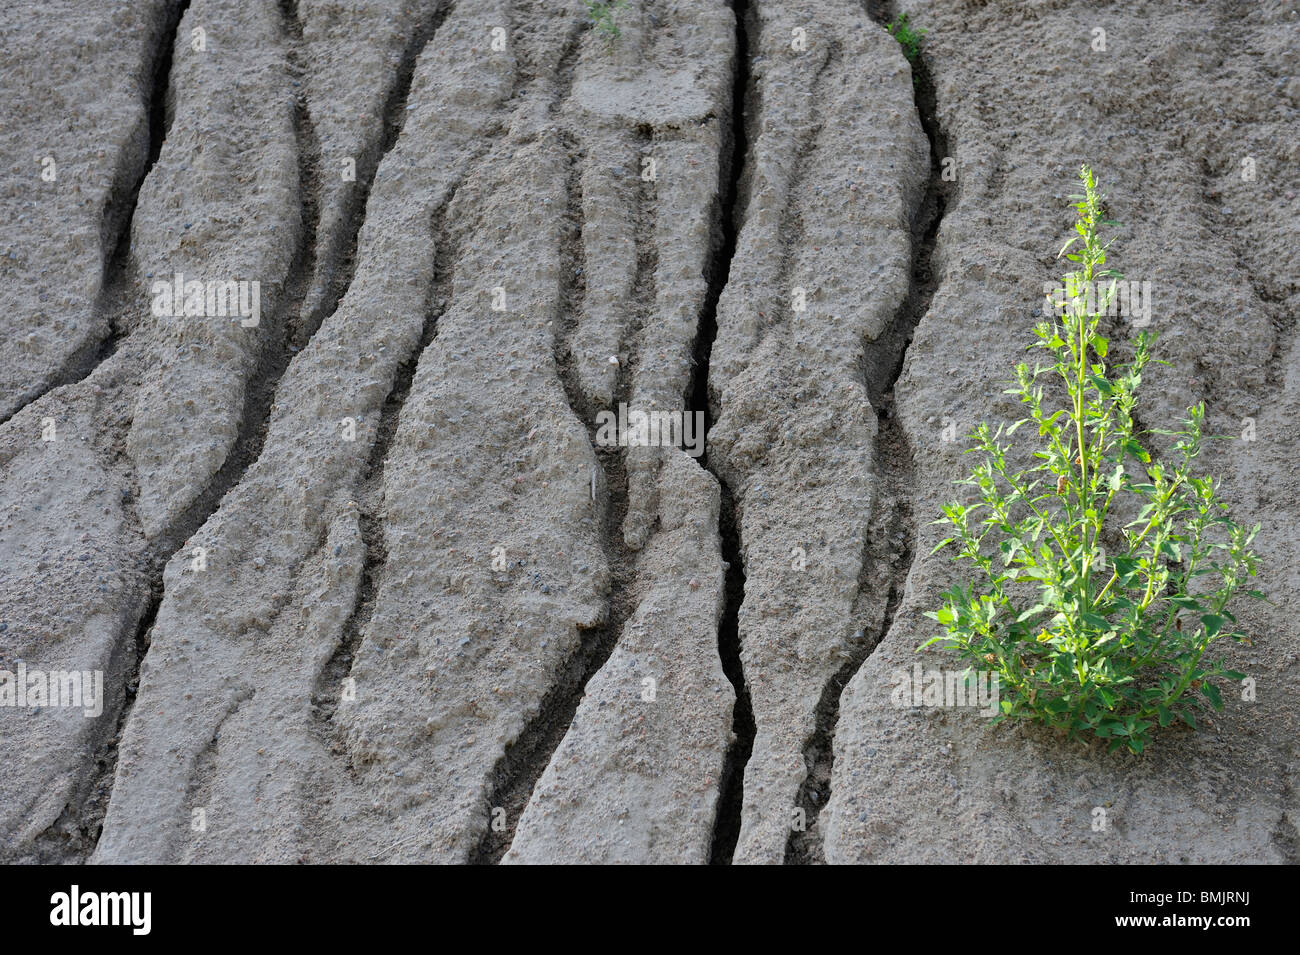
(362, 578)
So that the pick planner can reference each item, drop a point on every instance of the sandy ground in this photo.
(361, 576)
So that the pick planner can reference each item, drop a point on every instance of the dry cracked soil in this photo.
(343, 543)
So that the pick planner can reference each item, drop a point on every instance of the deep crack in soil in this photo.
(261, 387)
(726, 827)
(889, 547)
(522, 764)
(115, 227)
(328, 690)
(336, 263)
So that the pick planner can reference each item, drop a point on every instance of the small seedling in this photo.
(908, 39)
(602, 16)
(1094, 628)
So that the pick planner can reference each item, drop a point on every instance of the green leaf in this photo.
(1095, 621)
(1047, 423)
(1033, 611)
(1135, 450)
(1102, 385)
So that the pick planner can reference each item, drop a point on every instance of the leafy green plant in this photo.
(908, 39)
(1082, 640)
(603, 17)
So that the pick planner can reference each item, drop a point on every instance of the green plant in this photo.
(1081, 640)
(908, 39)
(602, 16)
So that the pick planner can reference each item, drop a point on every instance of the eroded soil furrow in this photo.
(792, 231)
(118, 282)
(522, 765)
(336, 257)
(260, 395)
(159, 121)
(726, 830)
(84, 819)
(644, 290)
(731, 213)
(296, 335)
(1268, 294)
(883, 372)
(887, 558)
(516, 774)
(890, 542)
(573, 292)
(270, 526)
(330, 681)
(115, 229)
(207, 761)
(805, 845)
